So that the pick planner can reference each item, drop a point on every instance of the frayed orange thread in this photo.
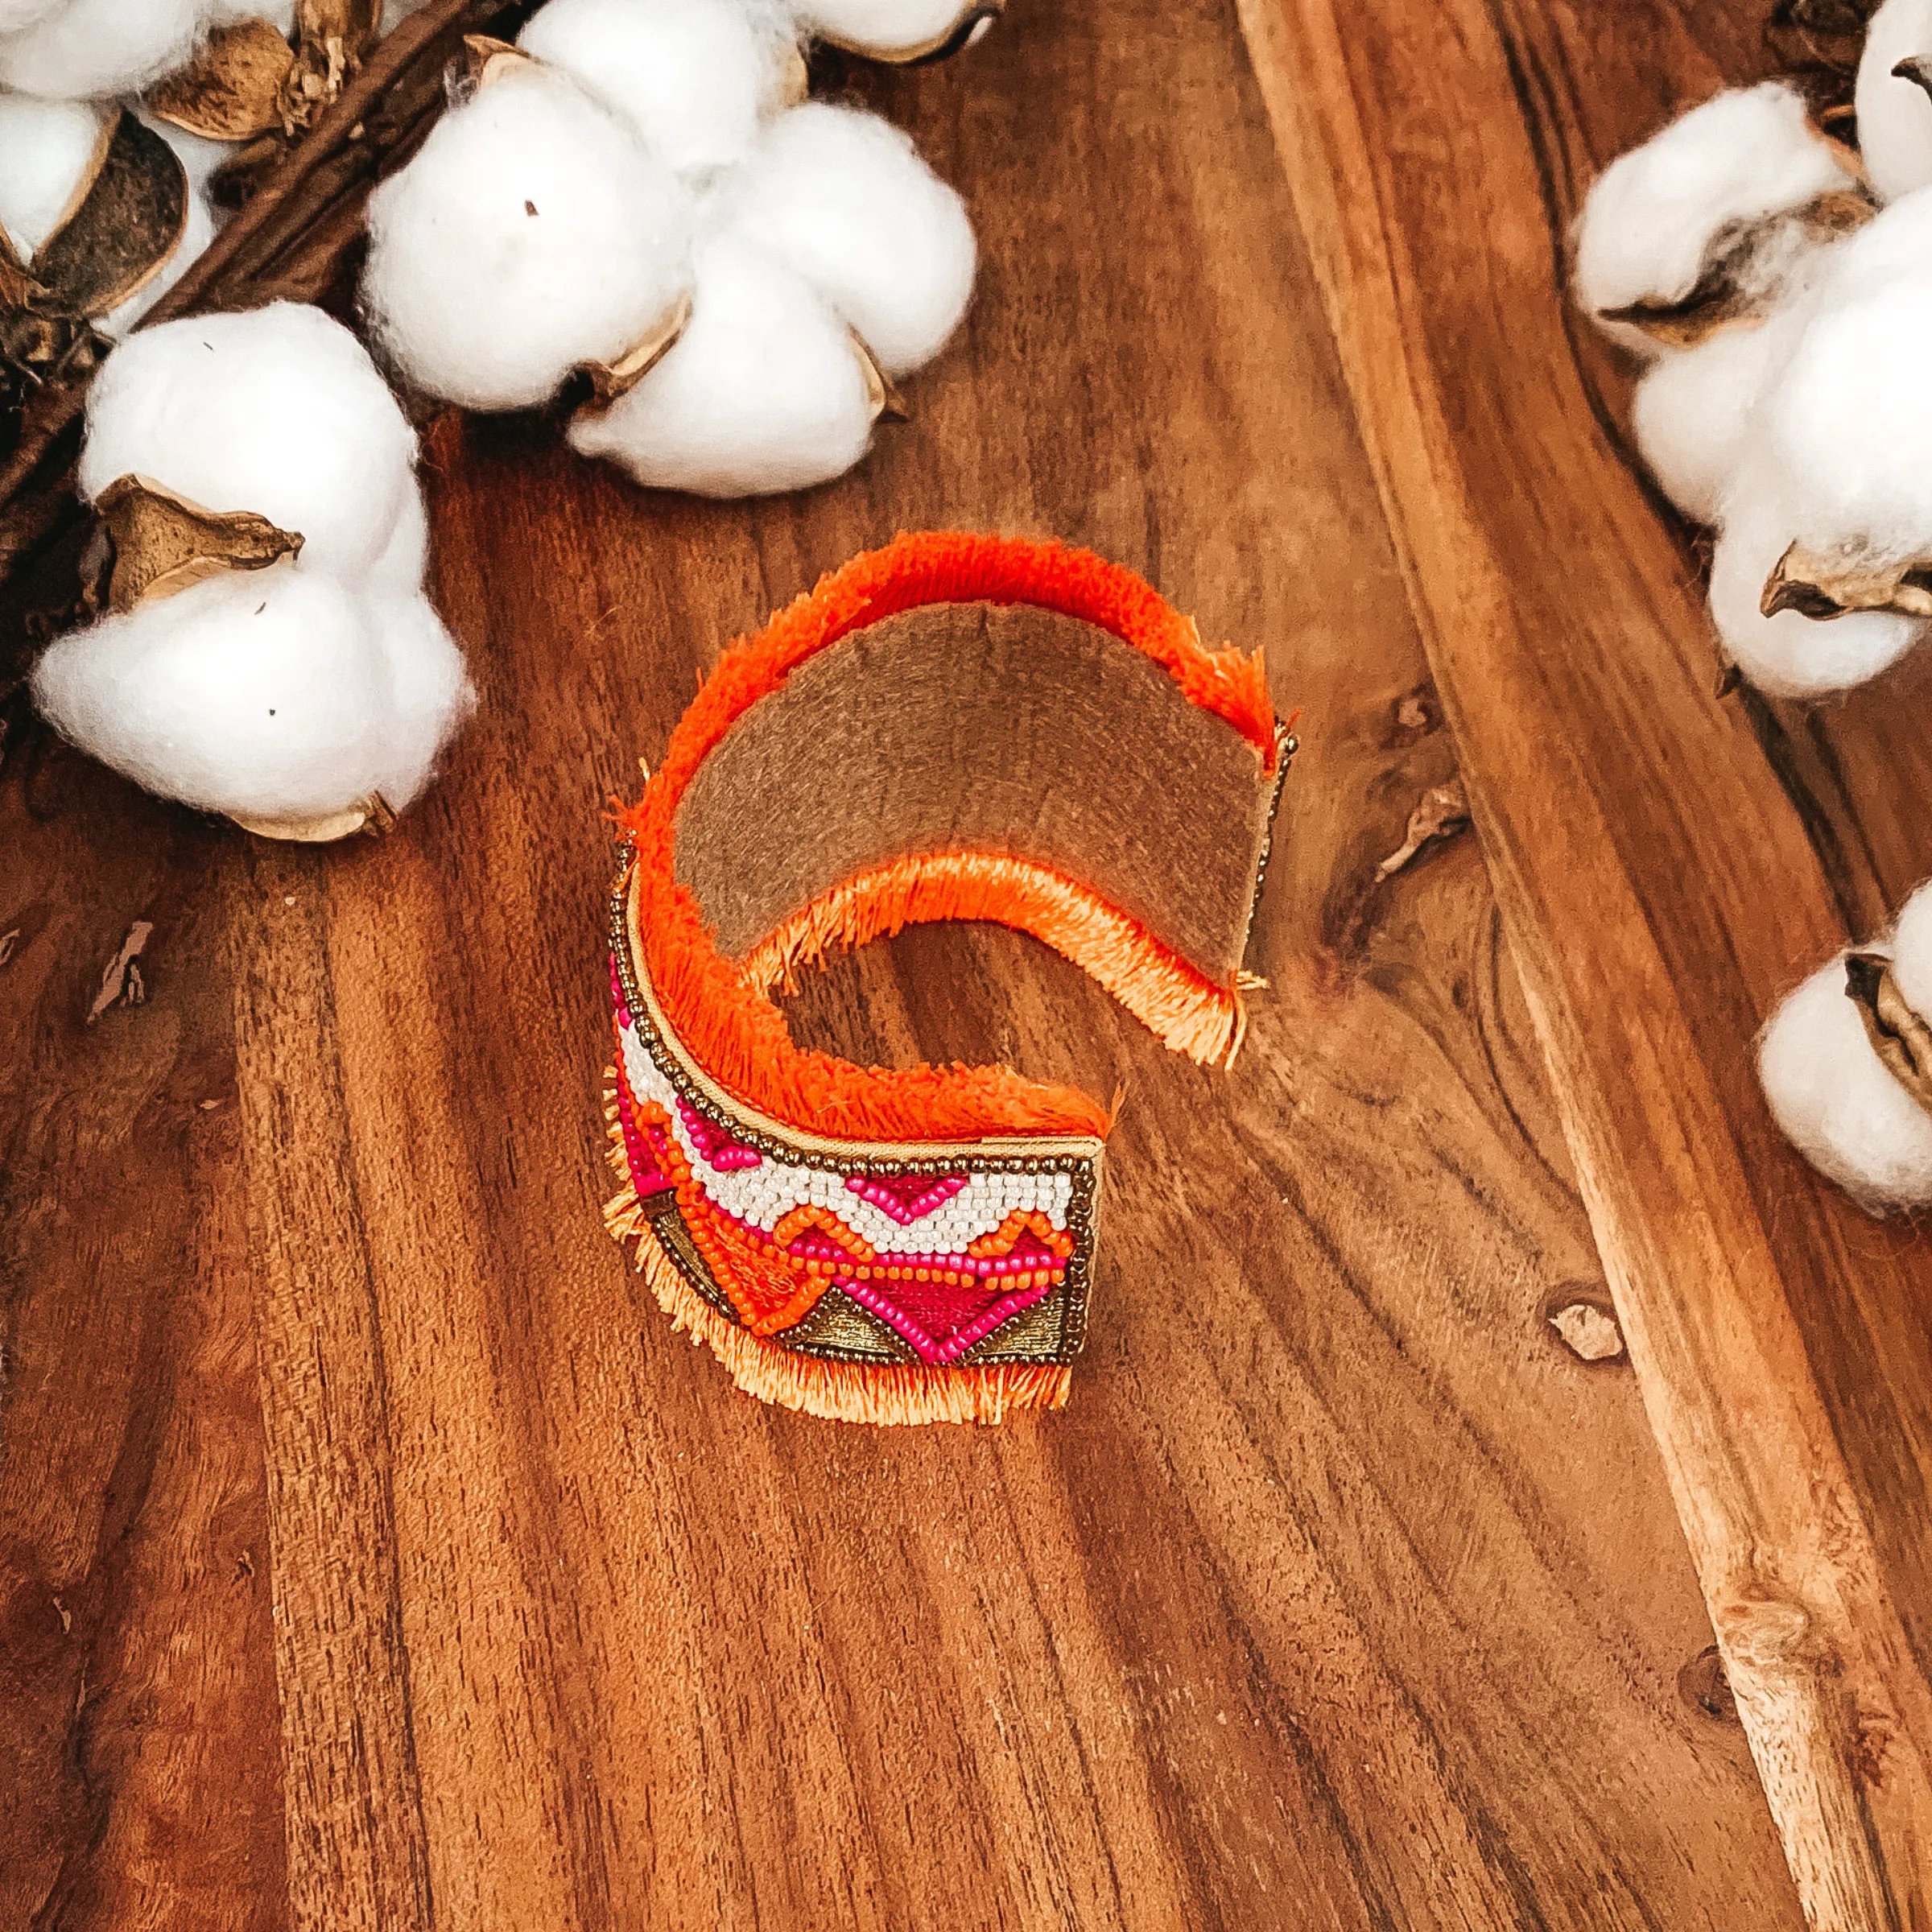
(1184, 1009)
(738, 1036)
(959, 567)
(849, 1391)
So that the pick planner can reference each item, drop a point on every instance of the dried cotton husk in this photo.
(162, 542)
(900, 32)
(128, 214)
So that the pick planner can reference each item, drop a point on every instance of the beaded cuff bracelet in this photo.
(953, 727)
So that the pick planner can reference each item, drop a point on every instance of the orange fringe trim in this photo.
(735, 1033)
(955, 567)
(741, 1040)
(850, 1392)
(845, 1392)
(1177, 1003)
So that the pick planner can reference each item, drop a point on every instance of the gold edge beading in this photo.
(1286, 745)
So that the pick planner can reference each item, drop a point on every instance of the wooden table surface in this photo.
(373, 1556)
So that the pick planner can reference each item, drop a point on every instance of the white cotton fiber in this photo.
(429, 695)
(762, 392)
(1894, 243)
(694, 78)
(1790, 654)
(1894, 114)
(1836, 1101)
(886, 26)
(842, 199)
(99, 47)
(45, 148)
(278, 410)
(275, 693)
(1850, 420)
(278, 14)
(533, 233)
(400, 567)
(1692, 410)
(1651, 215)
(1911, 951)
(17, 14)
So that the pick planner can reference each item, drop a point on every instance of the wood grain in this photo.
(1343, 1595)
(140, 1777)
(1667, 866)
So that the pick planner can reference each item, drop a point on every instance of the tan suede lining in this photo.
(991, 728)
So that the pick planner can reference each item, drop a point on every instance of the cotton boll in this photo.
(762, 392)
(1789, 655)
(1652, 214)
(1894, 116)
(429, 695)
(261, 693)
(1832, 1093)
(842, 199)
(693, 77)
(99, 47)
(532, 233)
(278, 410)
(45, 150)
(1835, 1100)
(1850, 420)
(1692, 412)
(884, 27)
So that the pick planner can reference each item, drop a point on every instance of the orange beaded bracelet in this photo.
(953, 727)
